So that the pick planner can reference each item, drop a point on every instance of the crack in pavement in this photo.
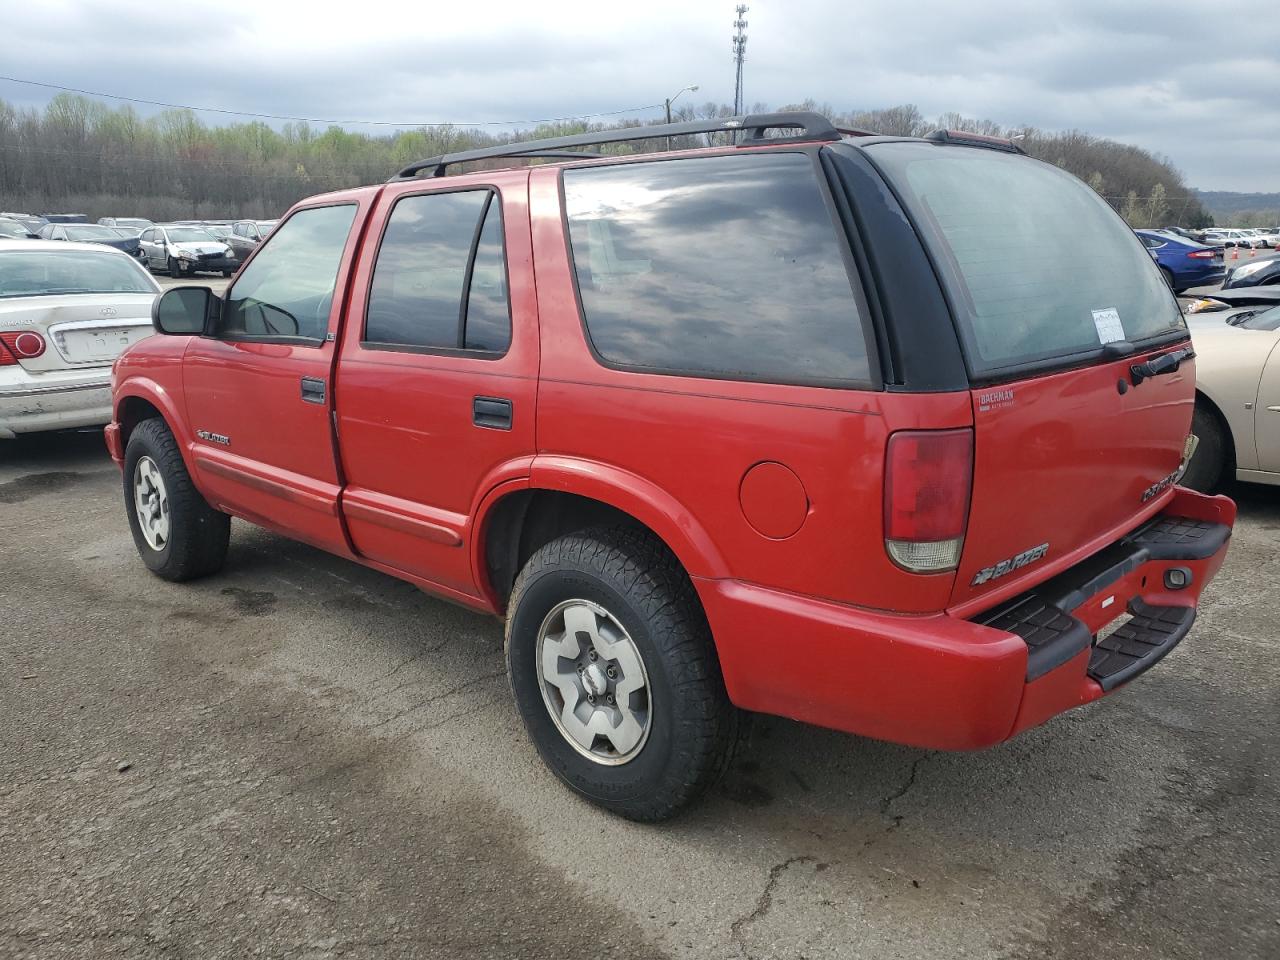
(458, 688)
(764, 902)
(902, 791)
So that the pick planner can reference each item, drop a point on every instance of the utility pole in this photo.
(670, 100)
(739, 54)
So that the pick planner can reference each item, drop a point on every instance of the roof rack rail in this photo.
(811, 126)
(965, 138)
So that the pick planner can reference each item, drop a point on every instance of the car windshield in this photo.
(90, 232)
(1040, 270)
(135, 222)
(38, 273)
(188, 234)
(219, 230)
(10, 228)
(127, 232)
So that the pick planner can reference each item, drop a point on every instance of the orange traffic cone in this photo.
(1252, 251)
(1235, 253)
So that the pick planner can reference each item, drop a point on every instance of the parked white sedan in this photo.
(1237, 415)
(67, 310)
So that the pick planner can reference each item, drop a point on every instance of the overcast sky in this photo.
(1197, 82)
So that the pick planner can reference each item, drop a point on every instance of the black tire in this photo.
(692, 724)
(1205, 471)
(1168, 278)
(175, 269)
(198, 534)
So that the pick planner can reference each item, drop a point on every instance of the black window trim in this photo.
(864, 318)
(465, 353)
(294, 341)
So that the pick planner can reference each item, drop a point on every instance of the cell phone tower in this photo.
(739, 55)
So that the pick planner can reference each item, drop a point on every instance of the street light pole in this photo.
(672, 99)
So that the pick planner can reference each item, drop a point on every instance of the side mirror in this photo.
(185, 311)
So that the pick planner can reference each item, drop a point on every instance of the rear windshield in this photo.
(1040, 268)
(36, 273)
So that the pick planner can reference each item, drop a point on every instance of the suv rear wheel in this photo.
(615, 675)
(178, 535)
(1205, 470)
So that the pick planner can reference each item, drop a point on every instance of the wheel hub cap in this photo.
(594, 684)
(151, 503)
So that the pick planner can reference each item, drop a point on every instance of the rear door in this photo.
(258, 390)
(1054, 299)
(1267, 418)
(438, 377)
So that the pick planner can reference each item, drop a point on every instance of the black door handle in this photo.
(491, 412)
(312, 390)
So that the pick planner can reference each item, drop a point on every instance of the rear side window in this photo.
(440, 282)
(288, 288)
(728, 267)
(1040, 268)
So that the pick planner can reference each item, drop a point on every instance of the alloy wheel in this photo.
(594, 682)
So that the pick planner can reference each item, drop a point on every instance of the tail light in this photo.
(20, 345)
(927, 482)
(1201, 254)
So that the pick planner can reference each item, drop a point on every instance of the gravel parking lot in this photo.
(302, 758)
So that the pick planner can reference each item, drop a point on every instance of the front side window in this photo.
(728, 267)
(440, 282)
(287, 290)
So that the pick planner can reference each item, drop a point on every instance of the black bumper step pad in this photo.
(1140, 643)
(1181, 538)
(1052, 637)
(1043, 617)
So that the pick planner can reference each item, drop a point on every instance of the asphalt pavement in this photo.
(301, 758)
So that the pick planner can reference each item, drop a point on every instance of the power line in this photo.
(376, 123)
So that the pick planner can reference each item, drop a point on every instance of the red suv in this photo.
(813, 424)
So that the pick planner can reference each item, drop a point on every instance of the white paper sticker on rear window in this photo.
(1108, 323)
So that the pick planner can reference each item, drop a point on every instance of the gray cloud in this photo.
(1194, 83)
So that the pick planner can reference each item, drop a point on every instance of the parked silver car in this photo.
(67, 310)
(183, 250)
(137, 224)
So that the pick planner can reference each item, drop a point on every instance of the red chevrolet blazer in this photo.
(878, 433)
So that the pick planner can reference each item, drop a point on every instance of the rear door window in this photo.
(727, 267)
(440, 282)
(1042, 272)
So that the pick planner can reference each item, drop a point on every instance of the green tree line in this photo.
(81, 155)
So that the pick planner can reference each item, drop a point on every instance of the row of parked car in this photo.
(182, 248)
(1186, 263)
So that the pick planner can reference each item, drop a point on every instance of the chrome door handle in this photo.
(1275, 409)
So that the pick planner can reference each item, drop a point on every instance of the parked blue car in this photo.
(1183, 262)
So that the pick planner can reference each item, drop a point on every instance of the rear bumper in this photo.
(941, 682)
(31, 408)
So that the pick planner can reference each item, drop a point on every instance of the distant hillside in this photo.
(1242, 209)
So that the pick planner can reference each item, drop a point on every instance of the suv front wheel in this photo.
(615, 675)
(178, 535)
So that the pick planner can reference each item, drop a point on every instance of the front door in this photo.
(438, 377)
(258, 390)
